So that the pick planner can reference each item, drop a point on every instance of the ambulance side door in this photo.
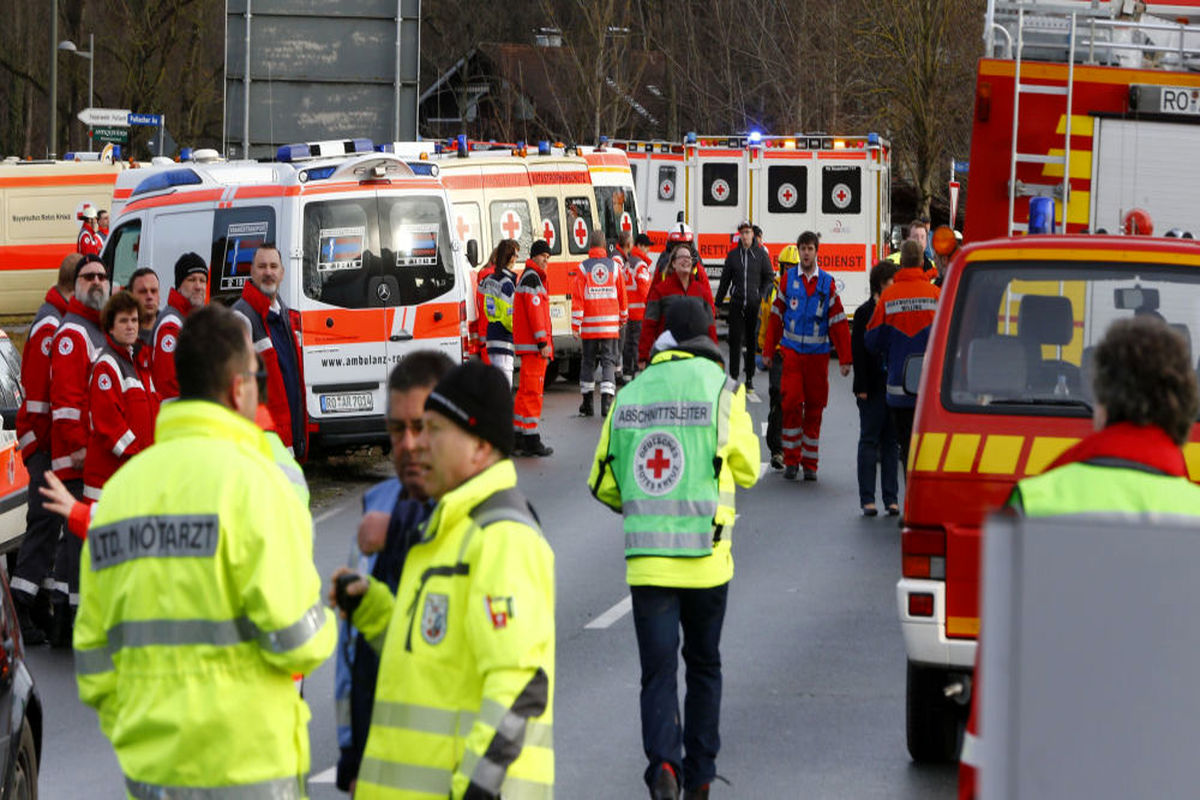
(845, 250)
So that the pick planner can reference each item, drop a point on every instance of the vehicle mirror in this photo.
(1136, 299)
(912, 372)
(473, 252)
(944, 241)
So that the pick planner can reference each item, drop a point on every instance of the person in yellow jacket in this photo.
(464, 699)
(198, 594)
(788, 258)
(676, 444)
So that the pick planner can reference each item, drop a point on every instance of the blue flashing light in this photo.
(185, 176)
(438, 147)
(872, 139)
(319, 173)
(690, 138)
(544, 147)
(520, 144)
(185, 154)
(603, 141)
(461, 141)
(1041, 215)
(293, 152)
(386, 147)
(116, 152)
(755, 137)
(423, 167)
(362, 146)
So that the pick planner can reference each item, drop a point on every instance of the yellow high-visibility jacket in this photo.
(198, 602)
(466, 671)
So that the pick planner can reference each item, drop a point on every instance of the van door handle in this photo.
(403, 336)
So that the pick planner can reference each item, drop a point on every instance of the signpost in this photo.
(112, 124)
(108, 117)
(111, 135)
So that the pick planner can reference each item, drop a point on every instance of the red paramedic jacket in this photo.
(636, 271)
(33, 417)
(75, 348)
(122, 405)
(166, 335)
(652, 324)
(531, 312)
(253, 301)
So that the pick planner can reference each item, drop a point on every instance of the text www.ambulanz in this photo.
(362, 361)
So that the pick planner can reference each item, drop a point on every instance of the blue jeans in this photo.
(877, 441)
(658, 614)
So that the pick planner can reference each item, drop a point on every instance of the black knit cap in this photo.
(686, 318)
(186, 265)
(90, 258)
(539, 247)
(477, 398)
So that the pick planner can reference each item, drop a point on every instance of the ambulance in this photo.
(838, 186)
(616, 196)
(372, 270)
(14, 479)
(40, 203)
(657, 169)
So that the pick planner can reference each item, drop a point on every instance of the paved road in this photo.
(813, 659)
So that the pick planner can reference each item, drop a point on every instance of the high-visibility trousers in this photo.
(805, 387)
(527, 406)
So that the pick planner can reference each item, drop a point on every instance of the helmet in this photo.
(89, 211)
(1137, 222)
(680, 233)
(789, 255)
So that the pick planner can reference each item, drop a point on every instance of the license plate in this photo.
(336, 403)
(558, 311)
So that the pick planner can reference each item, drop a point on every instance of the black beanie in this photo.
(186, 265)
(539, 247)
(477, 398)
(90, 258)
(686, 318)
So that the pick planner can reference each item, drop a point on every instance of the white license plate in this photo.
(336, 403)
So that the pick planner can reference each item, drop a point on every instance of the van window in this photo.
(551, 229)
(10, 376)
(614, 202)
(510, 220)
(579, 224)
(121, 254)
(237, 233)
(841, 190)
(666, 183)
(1023, 335)
(787, 189)
(467, 226)
(720, 182)
(372, 252)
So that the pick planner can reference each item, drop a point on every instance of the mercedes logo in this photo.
(383, 292)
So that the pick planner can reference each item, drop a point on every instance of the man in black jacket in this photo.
(877, 431)
(747, 276)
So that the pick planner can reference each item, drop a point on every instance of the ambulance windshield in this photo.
(10, 381)
(618, 211)
(377, 251)
(1024, 335)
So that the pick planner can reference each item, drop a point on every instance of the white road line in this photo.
(327, 514)
(763, 429)
(763, 468)
(328, 776)
(608, 618)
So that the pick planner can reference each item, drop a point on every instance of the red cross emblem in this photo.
(841, 195)
(510, 223)
(787, 195)
(658, 464)
(626, 222)
(548, 232)
(462, 227)
(719, 189)
(580, 232)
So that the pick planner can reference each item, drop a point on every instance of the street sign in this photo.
(145, 119)
(112, 117)
(111, 134)
(962, 166)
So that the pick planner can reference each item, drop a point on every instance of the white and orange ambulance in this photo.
(372, 269)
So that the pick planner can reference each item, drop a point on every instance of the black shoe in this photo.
(791, 471)
(605, 404)
(31, 633)
(520, 446)
(535, 447)
(777, 461)
(749, 386)
(666, 785)
(893, 510)
(588, 407)
(696, 794)
(61, 623)
(810, 475)
(870, 511)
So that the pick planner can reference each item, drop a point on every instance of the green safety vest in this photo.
(667, 428)
(1106, 488)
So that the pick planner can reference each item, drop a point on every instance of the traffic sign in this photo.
(146, 119)
(111, 134)
(111, 117)
(962, 166)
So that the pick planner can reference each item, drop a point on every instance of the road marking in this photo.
(608, 618)
(763, 429)
(763, 468)
(328, 776)
(327, 514)
(753, 397)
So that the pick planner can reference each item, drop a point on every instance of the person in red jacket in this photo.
(635, 269)
(271, 331)
(534, 345)
(683, 281)
(42, 526)
(122, 403)
(598, 310)
(191, 291)
(75, 348)
(90, 241)
(808, 319)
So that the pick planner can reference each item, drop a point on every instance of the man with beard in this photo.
(271, 332)
(393, 511)
(75, 348)
(191, 291)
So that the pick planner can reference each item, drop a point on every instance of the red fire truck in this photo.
(1005, 386)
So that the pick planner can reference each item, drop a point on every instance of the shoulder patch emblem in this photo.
(537, 301)
(434, 617)
(104, 382)
(65, 346)
(600, 274)
(168, 343)
(499, 611)
(46, 346)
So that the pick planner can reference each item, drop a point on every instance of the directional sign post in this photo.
(155, 120)
(107, 117)
(111, 134)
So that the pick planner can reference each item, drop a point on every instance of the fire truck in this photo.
(1079, 108)
(838, 186)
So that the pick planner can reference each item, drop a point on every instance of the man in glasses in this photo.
(72, 352)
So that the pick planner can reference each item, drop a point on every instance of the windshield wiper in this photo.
(1070, 402)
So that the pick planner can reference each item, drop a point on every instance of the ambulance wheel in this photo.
(934, 721)
(551, 375)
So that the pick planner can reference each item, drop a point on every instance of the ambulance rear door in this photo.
(659, 194)
(843, 208)
(616, 200)
(717, 199)
(781, 203)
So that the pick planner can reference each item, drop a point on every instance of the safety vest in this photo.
(1107, 487)
(667, 428)
(806, 316)
(198, 602)
(466, 672)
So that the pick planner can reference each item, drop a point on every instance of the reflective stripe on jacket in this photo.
(198, 602)
(671, 452)
(497, 290)
(122, 406)
(75, 348)
(531, 313)
(466, 677)
(598, 304)
(33, 416)
(900, 327)
(166, 334)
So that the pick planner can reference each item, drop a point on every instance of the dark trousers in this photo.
(42, 529)
(877, 443)
(775, 413)
(630, 334)
(743, 333)
(902, 418)
(66, 559)
(658, 615)
(604, 351)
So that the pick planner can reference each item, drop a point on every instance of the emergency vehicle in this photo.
(14, 480)
(40, 204)
(612, 183)
(372, 270)
(1110, 130)
(838, 186)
